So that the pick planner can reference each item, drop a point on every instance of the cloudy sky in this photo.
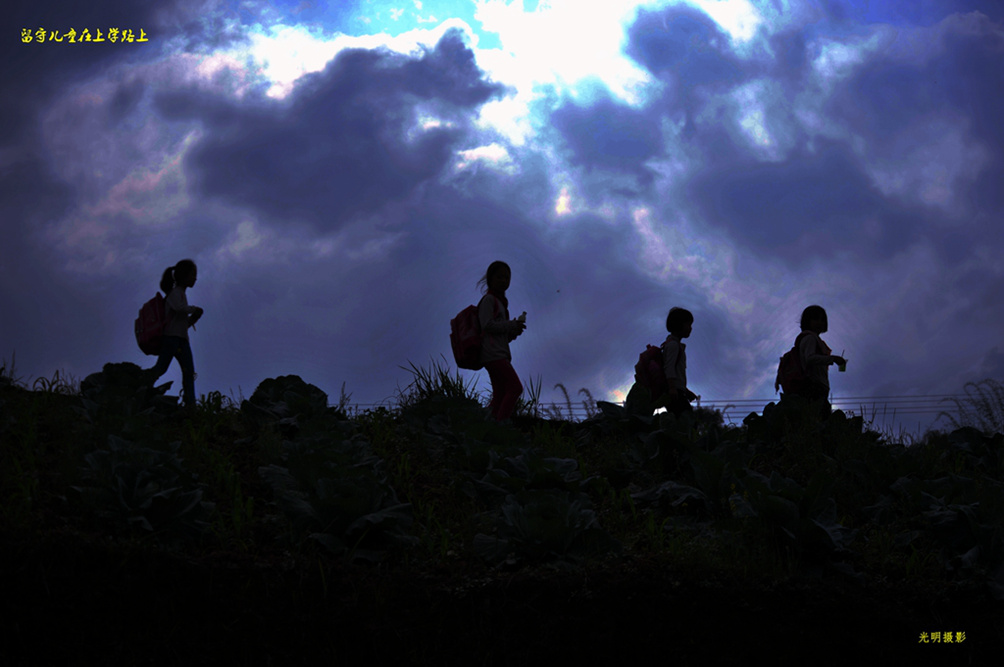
(343, 173)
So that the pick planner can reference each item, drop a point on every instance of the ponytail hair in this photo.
(169, 279)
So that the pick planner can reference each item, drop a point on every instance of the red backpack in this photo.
(150, 324)
(791, 377)
(465, 339)
(648, 371)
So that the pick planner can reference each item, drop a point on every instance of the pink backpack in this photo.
(791, 377)
(648, 372)
(150, 324)
(465, 339)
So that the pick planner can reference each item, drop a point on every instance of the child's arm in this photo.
(520, 327)
(807, 349)
(493, 320)
(177, 302)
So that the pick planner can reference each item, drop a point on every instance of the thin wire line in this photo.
(877, 407)
(773, 399)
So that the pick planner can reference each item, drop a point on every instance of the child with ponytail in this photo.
(180, 316)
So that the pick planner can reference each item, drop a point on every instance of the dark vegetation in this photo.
(279, 530)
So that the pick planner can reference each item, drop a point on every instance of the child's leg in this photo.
(822, 397)
(184, 357)
(818, 392)
(680, 405)
(168, 350)
(512, 388)
(498, 386)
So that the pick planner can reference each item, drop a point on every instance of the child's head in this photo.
(679, 322)
(814, 319)
(183, 273)
(497, 277)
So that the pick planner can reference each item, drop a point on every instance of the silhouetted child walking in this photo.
(679, 323)
(815, 355)
(497, 332)
(180, 316)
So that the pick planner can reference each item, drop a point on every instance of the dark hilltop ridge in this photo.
(281, 530)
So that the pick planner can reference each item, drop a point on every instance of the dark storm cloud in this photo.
(683, 43)
(32, 288)
(349, 141)
(771, 206)
(912, 13)
(893, 101)
(962, 74)
(125, 100)
(35, 71)
(608, 135)
(804, 195)
(32, 196)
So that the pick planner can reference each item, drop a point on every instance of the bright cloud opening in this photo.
(562, 44)
(739, 18)
(493, 154)
(286, 53)
(563, 205)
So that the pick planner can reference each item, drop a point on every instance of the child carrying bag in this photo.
(791, 377)
(465, 338)
(648, 372)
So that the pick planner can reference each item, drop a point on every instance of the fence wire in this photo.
(873, 408)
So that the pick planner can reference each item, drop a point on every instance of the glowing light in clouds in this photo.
(739, 18)
(493, 154)
(285, 53)
(567, 43)
(561, 43)
(563, 205)
(288, 52)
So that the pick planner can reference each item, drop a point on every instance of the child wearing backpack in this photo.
(497, 332)
(814, 354)
(180, 316)
(679, 323)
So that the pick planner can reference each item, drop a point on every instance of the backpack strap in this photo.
(798, 350)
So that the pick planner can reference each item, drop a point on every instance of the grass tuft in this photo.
(983, 407)
(436, 381)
